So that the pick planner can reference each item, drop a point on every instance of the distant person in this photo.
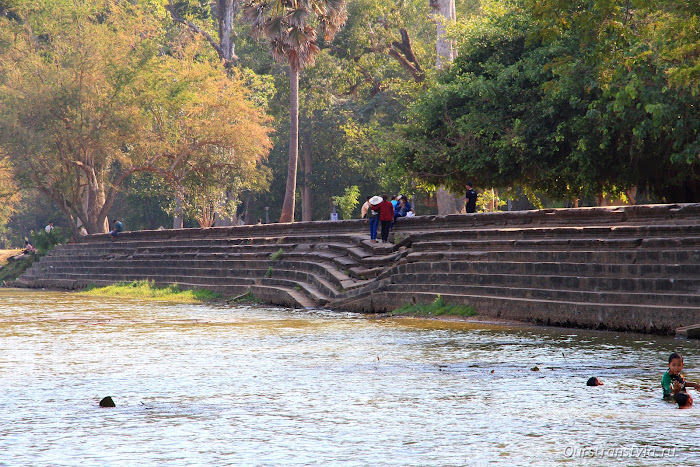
(82, 231)
(28, 247)
(673, 381)
(394, 200)
(117, 227)
(386, 216)
(49, 227)
(259, 222)
(684, 400)
(470, 198)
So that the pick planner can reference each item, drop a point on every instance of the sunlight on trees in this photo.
(87, 98)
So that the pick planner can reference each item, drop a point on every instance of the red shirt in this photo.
(386, 210)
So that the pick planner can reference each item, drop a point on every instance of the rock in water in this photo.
(107, 402)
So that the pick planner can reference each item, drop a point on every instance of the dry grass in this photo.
(5, 254)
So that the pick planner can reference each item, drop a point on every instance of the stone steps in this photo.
(690, 230)
(343, 256)
(275, 292)
(336, 279)
(568, 295)
(633, 268)
(660, 319)
(555, 243)
(555, 282)
(671, 271)
(604, 256)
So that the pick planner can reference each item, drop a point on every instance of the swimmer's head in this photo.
(685, 401)
(594, 381)
(675, 363)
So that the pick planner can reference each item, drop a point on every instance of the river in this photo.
(253, 385)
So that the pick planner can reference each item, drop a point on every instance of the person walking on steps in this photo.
(373, 216)
(386, 216)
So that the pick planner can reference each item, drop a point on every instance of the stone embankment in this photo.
(625, 268)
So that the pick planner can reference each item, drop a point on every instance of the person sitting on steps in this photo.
(403, 208)
(117, 227)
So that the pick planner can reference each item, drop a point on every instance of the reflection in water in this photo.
(203, 384)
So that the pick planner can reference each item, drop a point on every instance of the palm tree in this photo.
(291, 28)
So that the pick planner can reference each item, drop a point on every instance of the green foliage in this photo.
(531, 101)
(147, 290)
(348, 201)
(277, 255)
(268, 273)
(437, 308)
(489, 201)
(98, 100)
(143, 203)
(44, 241)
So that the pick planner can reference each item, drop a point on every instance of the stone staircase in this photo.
(287, 269)
(627, 268)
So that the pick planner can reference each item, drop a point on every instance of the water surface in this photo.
(254, 385)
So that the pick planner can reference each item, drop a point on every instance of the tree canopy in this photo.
(174, 103)
(533, 101)
(93, 92)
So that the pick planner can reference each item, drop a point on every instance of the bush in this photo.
(44, 241)
(277, 255)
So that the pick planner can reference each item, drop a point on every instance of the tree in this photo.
(445, 14)
(9, 197)
(348, 201)
(88, 99)
(522, 106)
(291, 27)
(224, 12)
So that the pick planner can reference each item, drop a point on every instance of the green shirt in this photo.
(667, 380)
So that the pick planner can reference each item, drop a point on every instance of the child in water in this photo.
(673, 381)
(685, 401)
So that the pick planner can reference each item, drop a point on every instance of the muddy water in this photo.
(224, 385)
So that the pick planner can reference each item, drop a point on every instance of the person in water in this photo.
(685, 401)
(594, 381)
(673, 381)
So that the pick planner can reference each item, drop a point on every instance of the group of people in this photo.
(117, 227)
(674, 385)
(384, 211)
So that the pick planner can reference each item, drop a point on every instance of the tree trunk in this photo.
(96, 200)
(445, 13)
(448, 203)
(225, 13)
(225, 221)
(288, 206)
(306, 215)
(177, 220)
